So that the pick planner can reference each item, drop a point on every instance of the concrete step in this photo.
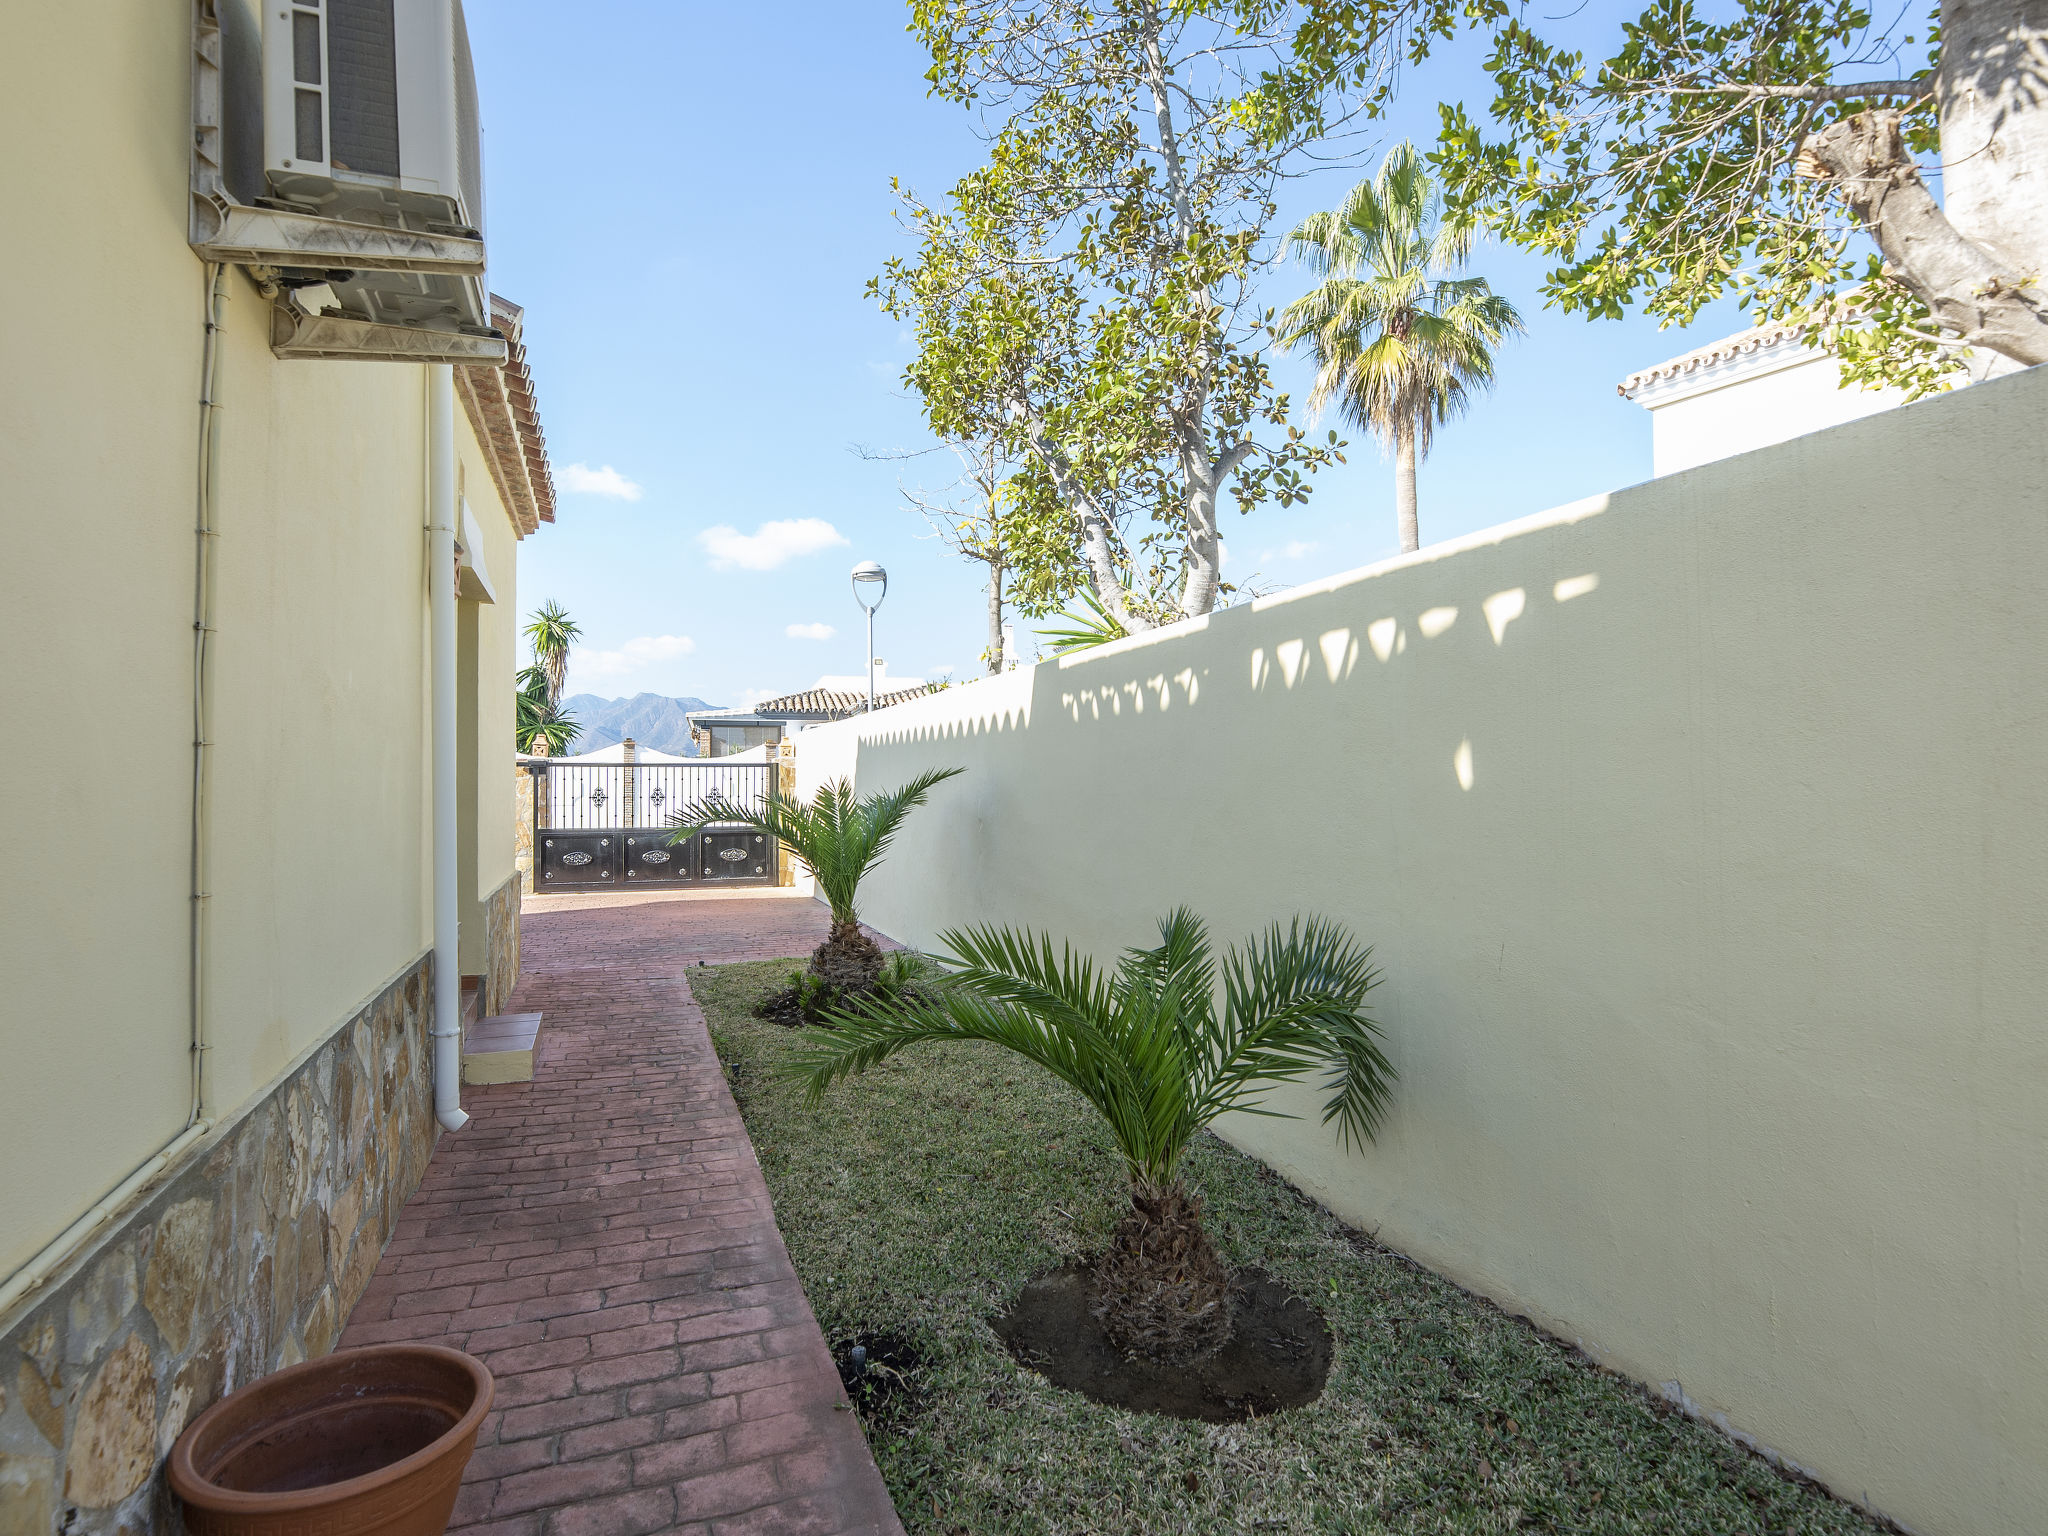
(500, 1049)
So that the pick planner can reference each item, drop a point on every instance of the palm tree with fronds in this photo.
(551, 632)
(543, 728)
(840, 838)
(1146, 1045)
(1399, 344)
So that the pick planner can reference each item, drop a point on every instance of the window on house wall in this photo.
(727, 740)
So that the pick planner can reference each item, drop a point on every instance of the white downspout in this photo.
(441, 614)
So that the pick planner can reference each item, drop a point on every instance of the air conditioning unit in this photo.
(338, 156)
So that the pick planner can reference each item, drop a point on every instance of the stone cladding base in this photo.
(249, 1257)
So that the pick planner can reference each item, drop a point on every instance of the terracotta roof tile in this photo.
(1727, 349)
(823, 704)
(501, 409)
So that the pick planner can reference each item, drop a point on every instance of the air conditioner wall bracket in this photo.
(227, 231)
(296, 334)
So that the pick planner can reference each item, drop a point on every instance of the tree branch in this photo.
(1963, 285)
(1095, 545)
(1910, 90)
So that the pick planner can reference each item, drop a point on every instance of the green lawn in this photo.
(918, 1200)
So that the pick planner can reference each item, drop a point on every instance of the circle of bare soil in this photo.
(881, 1380)
(1278, 1355)
(784, 1007)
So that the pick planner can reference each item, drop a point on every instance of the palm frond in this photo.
(1083, 630)
(1398, 344)
(1142, 1041)
(839, 838)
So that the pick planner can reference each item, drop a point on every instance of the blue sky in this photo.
(689, 199)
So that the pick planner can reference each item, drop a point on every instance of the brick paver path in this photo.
(601, 1237)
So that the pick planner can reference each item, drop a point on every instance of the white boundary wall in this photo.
(1702, 831)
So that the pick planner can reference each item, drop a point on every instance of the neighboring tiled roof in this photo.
(1747, 343)
(501, 409)
(821, 704)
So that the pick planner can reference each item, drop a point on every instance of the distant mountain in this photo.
(651, 719)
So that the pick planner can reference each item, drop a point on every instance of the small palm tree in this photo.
(551, 632)
(544, 728)
(1145, 1045)
(1401, 348)
(840, 839)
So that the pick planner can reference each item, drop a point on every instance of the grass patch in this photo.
(917, 1200)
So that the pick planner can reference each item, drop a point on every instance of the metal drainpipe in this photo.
(204, 583)
(441, 613)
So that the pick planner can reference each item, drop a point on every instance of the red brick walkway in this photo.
(601, 1237)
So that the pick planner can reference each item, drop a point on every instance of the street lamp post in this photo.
(869, 574)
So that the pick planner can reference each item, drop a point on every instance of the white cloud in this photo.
(768, 545)
(638, 661)
(1296, 549)
(582, 480)
(810, 631)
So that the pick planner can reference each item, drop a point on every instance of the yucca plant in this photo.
(543, 728)
(1081, 631)
(1146, 1044)
(551, 633)
(839, 838)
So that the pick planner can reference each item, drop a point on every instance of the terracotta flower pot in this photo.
(363, 1440)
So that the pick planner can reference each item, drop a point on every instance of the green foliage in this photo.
(921, 1206)
(1091, 627)
(551, 632)
(1668, 175)
(840, 838)
(1395, 341)
(816, 999)
(541, 726)
(1083, 299)
(1143, 1042)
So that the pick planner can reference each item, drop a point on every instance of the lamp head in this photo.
(870, 576)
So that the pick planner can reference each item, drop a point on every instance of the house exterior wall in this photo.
(1702, 835)
(486, 797)
(319, 918)
(247, 1259)
(1750, 403)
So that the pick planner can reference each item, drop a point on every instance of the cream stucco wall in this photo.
(1702, 832)
(491, 636)
(320, 803)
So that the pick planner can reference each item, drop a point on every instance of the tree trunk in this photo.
(848, 958)
(1992, 89)
(1096, 550)
(995, 617)
(1969, 291)
(1404, 485)
(1204, 548)
(1160, 1290)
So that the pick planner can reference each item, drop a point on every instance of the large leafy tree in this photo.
(1763, 149)
(1399, 344)
(1147, 1046)
(1085, 297)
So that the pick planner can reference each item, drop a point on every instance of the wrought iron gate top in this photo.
(608, 825)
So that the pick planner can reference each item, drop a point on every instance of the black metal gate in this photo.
(601, 826)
